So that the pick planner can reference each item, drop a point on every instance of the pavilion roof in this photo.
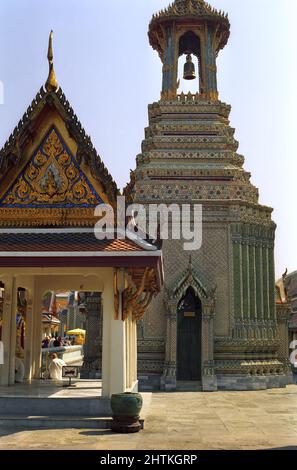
(79, 247)
(63, 240)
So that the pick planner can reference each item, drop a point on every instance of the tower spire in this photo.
(51, 83)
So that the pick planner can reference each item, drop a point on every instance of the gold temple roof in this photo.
(50, 172)
(11, 153)
(51, 97)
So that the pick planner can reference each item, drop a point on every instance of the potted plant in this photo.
(126, 409)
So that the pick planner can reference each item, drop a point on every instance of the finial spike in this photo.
(51, 83)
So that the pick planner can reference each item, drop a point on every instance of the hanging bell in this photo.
(189, 69)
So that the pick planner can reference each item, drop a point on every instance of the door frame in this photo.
(198, 311)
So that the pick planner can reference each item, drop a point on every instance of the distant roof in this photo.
(47, 318)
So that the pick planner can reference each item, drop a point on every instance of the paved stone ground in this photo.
(198, 421)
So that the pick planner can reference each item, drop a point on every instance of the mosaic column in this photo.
(211, 68)
(246, 281)
(169, 84)
(209, 379)
(255, 279)
(253, 286)
(271, 289)
(168, 379)
(73, 312)
(238, 288)
(259, 282)
(91, 368)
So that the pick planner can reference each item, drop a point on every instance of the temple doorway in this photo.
(189, 327)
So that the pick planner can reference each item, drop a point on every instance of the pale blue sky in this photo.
(109, 73)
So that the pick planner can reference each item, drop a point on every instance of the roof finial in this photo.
(51, 83)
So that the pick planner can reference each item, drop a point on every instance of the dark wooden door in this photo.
(189, 323)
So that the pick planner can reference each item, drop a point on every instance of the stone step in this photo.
(56, 422)
(189, 386)
(34, 406)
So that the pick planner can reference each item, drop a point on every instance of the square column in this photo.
(168, 379)
(134, 357)
(114, 345)
(131, 354)
(209, 379)
(12, 346)
(284, 314)
(7, 328)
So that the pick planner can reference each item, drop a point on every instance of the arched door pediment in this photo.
(191, 278)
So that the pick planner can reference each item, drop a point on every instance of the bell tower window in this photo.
(189, 73)
(193, 32)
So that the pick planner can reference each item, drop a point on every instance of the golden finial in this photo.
(51, 83)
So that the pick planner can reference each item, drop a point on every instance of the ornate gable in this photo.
(190, 278)
(52, 178)
(50, 172)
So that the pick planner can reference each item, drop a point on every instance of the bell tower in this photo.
(190, 156)
(193, 28)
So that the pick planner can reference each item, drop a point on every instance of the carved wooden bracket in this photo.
(135, 300)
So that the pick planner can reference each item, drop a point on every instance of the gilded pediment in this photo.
(52, 178)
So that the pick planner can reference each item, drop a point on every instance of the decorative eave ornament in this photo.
(191, 8)
(51, 83)
(184, 10)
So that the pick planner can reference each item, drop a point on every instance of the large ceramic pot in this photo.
(126, 409)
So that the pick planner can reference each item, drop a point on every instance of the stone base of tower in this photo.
(209, 383)
(231, 382)
(246, 383)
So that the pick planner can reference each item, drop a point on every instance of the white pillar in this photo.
(134, 357)
(114, 345)
(12, 346)
(128, 352)
(6, 329)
